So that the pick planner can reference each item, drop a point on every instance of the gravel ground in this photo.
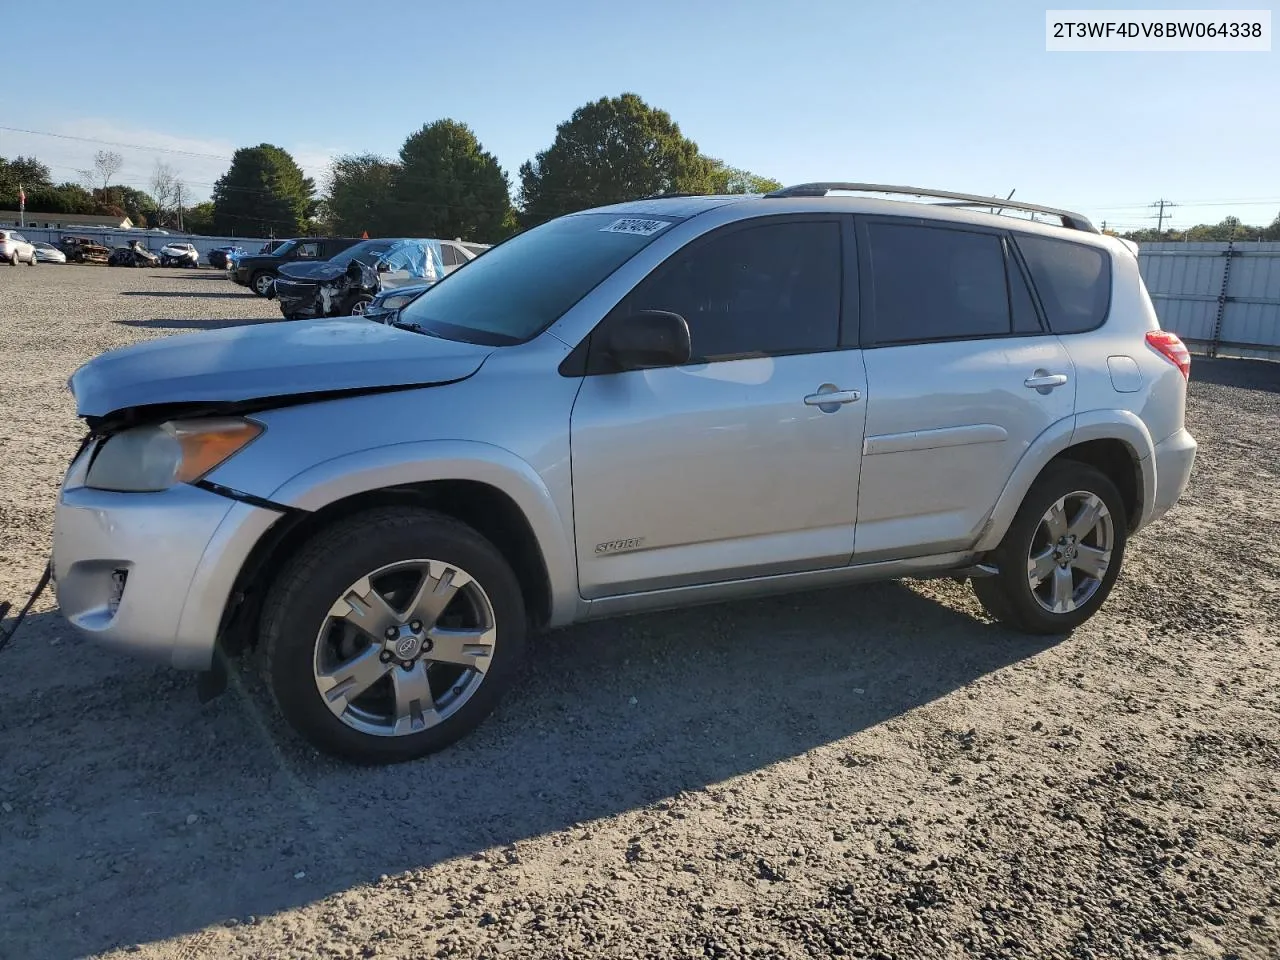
(874, 772)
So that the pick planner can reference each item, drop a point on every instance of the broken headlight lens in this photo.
(157, 457)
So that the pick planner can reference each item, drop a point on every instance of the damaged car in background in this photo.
(179, 254)
(348, 283)
(132, 255)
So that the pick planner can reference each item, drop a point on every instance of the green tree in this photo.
(198, 219)
(615, 149)
(727, 179)
(264, 193)
(448, 186)
(27, 172)
(360, 195)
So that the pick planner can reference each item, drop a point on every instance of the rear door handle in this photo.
(832, 397)
(1044, 381)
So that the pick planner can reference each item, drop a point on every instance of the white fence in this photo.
(151, 239)
(1223, 299)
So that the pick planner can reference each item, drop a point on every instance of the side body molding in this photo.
(1120, 425)
(424, 461)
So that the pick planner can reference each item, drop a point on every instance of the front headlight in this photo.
(147, 459)
(397, 300)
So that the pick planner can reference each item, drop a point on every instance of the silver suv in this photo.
(664, 402)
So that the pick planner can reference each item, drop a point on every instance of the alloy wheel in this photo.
(1070, 552)
(405, 647)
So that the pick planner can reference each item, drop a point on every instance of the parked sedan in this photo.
(179, 254)
(133, 255)
(346, 284)
(48, 253)
(223, 258)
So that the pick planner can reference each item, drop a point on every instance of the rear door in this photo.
(729, 466)
(962, 376)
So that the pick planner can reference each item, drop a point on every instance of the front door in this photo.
(732, 465)
(962, 376)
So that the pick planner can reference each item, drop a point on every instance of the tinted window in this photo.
(1074, 282)
(449, 255)
(770, 289)
(522, 286)
(307, 250)
(929, 283)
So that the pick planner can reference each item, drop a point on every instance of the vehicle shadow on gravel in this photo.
(189, 294)
(178, 816)
(214, 274)
(177, 324)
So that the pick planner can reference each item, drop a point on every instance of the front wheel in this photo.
(1061, 555)
(262, 283)
(392, 634)
(360, 305)
(32, 261)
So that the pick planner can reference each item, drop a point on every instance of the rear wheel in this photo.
(392, 634)
(1061, 555)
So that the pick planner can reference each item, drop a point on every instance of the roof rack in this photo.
(1073, 221)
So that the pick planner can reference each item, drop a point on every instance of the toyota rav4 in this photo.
(663, 402)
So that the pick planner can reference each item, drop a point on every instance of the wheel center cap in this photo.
(408, 647)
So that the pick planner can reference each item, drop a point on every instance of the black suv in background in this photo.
(258, 272)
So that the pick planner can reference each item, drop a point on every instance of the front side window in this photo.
(523, 285)
(1073, 280)
(308, 251)
(931, 283)
(766, 290)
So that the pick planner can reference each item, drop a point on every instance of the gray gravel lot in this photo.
(874, 772)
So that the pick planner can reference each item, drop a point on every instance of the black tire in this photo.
(13, 259)
(1008, 596)
(253, 282)
(298, 602)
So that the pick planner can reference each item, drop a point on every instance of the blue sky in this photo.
(944, 94)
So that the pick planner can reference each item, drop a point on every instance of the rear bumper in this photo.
(1174, 457)
(150, 573)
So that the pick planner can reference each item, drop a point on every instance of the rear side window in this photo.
(931, 283)
(1073, 280)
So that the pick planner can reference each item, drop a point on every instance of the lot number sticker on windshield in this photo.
(642, 228)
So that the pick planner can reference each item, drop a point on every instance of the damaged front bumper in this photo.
(150, 573)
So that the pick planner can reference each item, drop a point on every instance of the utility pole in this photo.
(180, 206)
(1159, 217)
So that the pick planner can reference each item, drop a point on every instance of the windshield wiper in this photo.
(412, 327)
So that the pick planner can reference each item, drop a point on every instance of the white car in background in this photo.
(15, 248)
(48, 253)
(179, 254)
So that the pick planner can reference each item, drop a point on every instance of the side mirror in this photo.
(651, 338)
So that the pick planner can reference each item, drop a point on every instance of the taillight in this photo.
(1170, 346)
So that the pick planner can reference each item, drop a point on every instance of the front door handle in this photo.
(1044, 381)
(829, 395)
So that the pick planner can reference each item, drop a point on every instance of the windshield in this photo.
(519, 288)
(284, 248)
(368, 251)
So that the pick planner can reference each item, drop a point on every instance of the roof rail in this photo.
(1074, 221)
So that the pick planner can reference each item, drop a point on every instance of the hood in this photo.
(315, 271)
(270, 360)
